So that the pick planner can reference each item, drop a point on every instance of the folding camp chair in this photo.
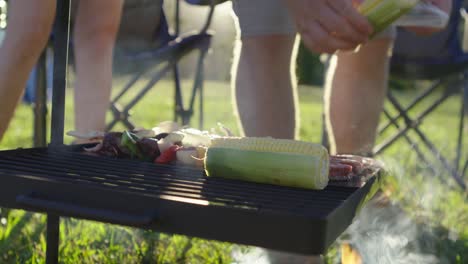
(439, 58)
(168, 49)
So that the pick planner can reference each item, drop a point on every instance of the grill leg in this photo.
(53, 231)
(40, 104)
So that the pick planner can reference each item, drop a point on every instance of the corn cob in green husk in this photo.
(382, 13)
(271, 161)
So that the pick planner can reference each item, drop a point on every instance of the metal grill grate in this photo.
(116, 180)
(156, 180)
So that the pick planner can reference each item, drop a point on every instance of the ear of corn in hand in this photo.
(272, 161)
(382, 13)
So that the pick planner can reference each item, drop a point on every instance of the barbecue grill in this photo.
(62, 181)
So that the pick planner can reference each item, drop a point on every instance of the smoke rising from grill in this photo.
(387, 232)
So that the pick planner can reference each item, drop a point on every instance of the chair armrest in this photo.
(212, 4)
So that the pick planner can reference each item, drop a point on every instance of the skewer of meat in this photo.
(345, 167)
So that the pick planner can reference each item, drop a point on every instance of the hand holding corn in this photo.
(329, 25)
(382, 13)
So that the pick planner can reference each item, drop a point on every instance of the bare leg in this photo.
(266, 100)
(96, 28)
(355, 91)
(265, 92)
(28, 31)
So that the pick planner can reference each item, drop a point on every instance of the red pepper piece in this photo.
(168, 156)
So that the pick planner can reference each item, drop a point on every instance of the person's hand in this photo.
(444, 5)
(329, 25)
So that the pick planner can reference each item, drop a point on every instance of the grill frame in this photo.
(37, 180)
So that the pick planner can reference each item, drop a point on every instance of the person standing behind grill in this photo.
(264, 82)
(28, 31)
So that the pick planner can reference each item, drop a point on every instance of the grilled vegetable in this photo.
(92, 135)
(170, 140)
(144, 133)
(266, 160)
(194, 137)
(148, 147)
(128, 141)
(187, 156)
(168, 155)
(161, 136)
(111, 145)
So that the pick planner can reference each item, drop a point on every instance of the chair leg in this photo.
(122, 115)
(414, 124)
(156, 78)
(417, 100)
(185, 114)
(127, 86)
(441, 158)
(461, 127)
(201, 108)
(413, 145)
(178, 99)
(201, 91)
(410, 123)
(117, 114)
(40, 102)
(198, 85)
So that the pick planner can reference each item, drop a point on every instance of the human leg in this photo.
(28, 31)
(354, 94)
(264, 82)
(265, 92)
(263, 79)
(96, 27)
(355, 89)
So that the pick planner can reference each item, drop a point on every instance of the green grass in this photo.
(431, 199)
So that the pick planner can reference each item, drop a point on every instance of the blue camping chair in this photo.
(168, 49)
(441, 59)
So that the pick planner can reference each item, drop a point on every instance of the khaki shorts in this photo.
(270, 17)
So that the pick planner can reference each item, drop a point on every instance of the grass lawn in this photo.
(430, 212)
